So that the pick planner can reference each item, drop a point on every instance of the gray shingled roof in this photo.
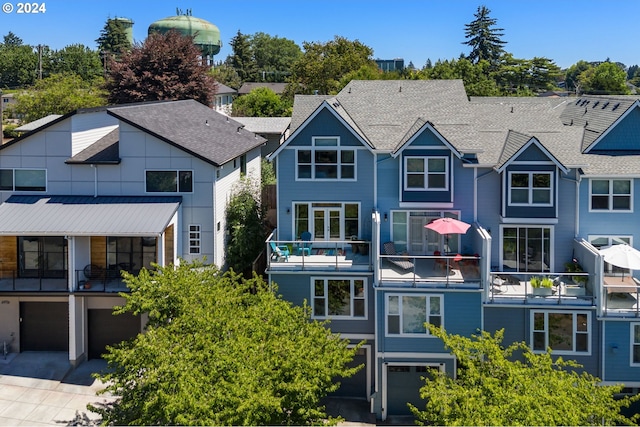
(86, 215)
(192, 127)
(388, 113)
(265, 125)
(28, 127)
(104, 151)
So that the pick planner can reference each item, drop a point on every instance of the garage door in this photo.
(403, 386)
(355, 386)
(106, 329)
(44, 326)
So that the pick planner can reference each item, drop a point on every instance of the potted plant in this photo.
(541, 285)
(574, 266)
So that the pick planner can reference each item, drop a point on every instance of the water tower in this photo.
(206, 36)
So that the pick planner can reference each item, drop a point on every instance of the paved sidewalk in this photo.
(42, 388)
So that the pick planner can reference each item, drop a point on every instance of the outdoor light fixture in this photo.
(386, 217)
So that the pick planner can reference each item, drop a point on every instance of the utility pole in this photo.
(39, 62)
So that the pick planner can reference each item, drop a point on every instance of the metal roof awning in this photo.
(87, 215)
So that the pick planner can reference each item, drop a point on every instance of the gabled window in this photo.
(426, 173)
(407, 314)
(169, 181)
(23, 180)
(609, 195)
(339, 298)
(562, 332)
(530, 188)
(326, 160)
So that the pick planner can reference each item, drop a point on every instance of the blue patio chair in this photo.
(305, 247)
(279, 252)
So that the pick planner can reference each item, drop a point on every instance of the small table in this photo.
(620, 285)
(304, 251)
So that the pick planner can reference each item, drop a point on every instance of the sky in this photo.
(564, 31)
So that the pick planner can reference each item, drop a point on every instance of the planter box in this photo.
(543, 292)
(574, 291)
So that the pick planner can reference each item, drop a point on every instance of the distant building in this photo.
(390, 64)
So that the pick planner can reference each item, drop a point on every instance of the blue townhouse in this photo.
(544, 184)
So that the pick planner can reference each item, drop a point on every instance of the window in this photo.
(339, 298)
(610, 194)
(530, 188)
(169, 181)
(130, 253)
(23, 180)
(526, 249)
(407, 314)
(635, 344)
(194, 239)
(326, 160)
(426, 173)
(243, 164)
(563, 332)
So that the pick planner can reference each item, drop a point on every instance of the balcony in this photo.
(428, 270)
(558, 288)
(93, 278)
(13, 281)
(319, 255)
(622, 295)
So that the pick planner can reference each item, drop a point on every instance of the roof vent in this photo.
(605, 105)
(400, 89)
(512, 108)
(206, 122)
(571, 124)
(596, 103)
(615, 106)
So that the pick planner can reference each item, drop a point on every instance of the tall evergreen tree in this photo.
(485, 40)
(242, 59)
(113, 38)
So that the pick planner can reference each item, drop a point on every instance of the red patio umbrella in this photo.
(448, 226)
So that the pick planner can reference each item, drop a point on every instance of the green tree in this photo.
(227, 75)
(572, 75)
(78, 59)
(113, 40)
(242, 59)
(18, 63)
(322, 66)
(273, 56)
(220, 350)
(164, 67)
(245, 226)
(607, 78)
(485, 40)
(511, 385)
(261, 102)
(59, 94)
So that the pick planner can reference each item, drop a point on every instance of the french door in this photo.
(42, 256)
(327, 223)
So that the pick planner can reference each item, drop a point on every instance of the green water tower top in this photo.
(206, 36)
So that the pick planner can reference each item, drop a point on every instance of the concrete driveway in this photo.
(42, 389)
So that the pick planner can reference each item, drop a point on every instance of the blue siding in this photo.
(617, 364)
(289, 190)
(532, 153)
(624, 136)
(516, 322)
(462, 315)
(296, 288)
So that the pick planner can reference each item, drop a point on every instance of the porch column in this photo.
(77, 331)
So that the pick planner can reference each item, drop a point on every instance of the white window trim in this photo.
(338, 147)
(426, 334)
(521, 225)
(632, 326)
(426, 173)
(610, 195)
(177, 171)
(574, 331)
(352, 298)
(343, 217)
(196, 229)
(13, 179)
(531, 188)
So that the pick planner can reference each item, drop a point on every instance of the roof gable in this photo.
(425, 135)
(622, 135)
(518, 144)
(191, 127)
(330, 108)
